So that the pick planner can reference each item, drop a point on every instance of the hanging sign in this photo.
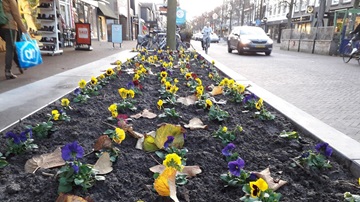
(180, 16)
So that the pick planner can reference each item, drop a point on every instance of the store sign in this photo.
(83, 33)
(180, 16)
(116, 33)
(301, 19)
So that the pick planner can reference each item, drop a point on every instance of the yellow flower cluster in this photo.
(208, 103)
(160, 104)
(124, 93)
(199, 91)
(113, 110)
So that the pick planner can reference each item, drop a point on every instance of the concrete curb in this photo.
(344, 146)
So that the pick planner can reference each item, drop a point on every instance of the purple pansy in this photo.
(236, 166)
(324, 148)
(77, 91)
(227, 151)
(72, 151)
(169, 140)
(249, 97)
(22, 137)
(130, 85)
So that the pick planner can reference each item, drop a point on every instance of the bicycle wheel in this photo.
(347, 53)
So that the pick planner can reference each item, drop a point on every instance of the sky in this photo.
(194, 7)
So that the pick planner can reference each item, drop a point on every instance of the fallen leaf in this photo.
(129, 71)
(217, 90)
(140, 142)
(273, 184)
(116, 62)
(49, 160)
(195, 123)
(133, 133)
(103, 142)
(165, 183)
(189, 100)
(221, 101)
(103, 164)
(190, 171)
(145, 113)
(170, 130)
(71, 198)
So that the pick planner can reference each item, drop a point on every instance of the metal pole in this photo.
(171, 25)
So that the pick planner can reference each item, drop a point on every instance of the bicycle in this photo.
(348, 53)
(206, 44)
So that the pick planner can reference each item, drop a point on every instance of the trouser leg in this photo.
(9, 37)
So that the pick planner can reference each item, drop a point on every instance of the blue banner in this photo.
(116, 33)
(180, 16)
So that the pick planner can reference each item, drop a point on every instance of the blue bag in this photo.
(28, 51)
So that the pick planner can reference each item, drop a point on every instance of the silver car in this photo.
(249, 39)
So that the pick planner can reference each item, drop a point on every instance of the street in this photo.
(322, 86)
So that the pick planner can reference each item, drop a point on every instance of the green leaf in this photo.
(170, 130)
(78, 181)
(64, 188)
(160, 154)
(3, 163)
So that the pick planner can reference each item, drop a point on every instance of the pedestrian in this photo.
(8, 33)
(355, 38)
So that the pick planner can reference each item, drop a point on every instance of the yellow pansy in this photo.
(131, 93)
(188, 76)
(231, 83)
(114, 114)
(119, 135)
(55, 114)
(208, 103)
(82, 83)
(198, 80)
(150, 139)
(160, 104)
(259, 104)
(224, 129)
(163, 74)
(161, 184)
(136, 77)
(176, 81)
(163, 80)
(109, 72)
(258, 186)
(123, 93)
(93, 80)
(240, 88)
(102, 76)
(65, 102)
(211, 75)
(173, 89)
(112, 107)
(172, 160)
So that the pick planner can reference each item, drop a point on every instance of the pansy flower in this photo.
(173, 160)
(259, 104)
(324, 148)
(93, 80)
(82, 83)
(257, 187)
(227, 151)
(72, 152)
(119, 135)
(160, 104)
(65, 102)
(77, 91)
(236, 166)
(109, 72)
(169, 140)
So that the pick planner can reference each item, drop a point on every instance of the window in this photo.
(279, 8)
(346, 1)
(303, 5)
(297, 6)
(334, 2)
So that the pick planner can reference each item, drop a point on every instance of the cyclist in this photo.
(206, 31)
(355, 38)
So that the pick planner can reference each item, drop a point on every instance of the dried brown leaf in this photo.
(70, 198)
(273, 184)
(195, 123)
(190, 171)
(133, 133)
(189, 100)
(145, 113)
(103, 164)
(49, 160)
(103, 142)
(218, 90)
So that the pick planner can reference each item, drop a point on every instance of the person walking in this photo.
(8, 33)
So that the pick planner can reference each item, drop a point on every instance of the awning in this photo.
(107, 11)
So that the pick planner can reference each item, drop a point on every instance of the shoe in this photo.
(10, 75)
(21, 70)
(353, 51)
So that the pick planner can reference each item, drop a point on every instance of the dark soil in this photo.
(259, 145)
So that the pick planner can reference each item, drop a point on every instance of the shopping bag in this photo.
(28, 52)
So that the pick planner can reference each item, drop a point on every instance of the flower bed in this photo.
(255, 129)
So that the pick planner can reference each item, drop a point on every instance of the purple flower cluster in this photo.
(250, 97)
(22, 137)
(227, 151)
(236, 166)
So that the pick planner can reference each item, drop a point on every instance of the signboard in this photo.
(180, 16)
(83, 33)
(116, 33)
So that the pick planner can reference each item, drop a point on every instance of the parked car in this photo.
(214, 38)
(198, 36)
(249, 39)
